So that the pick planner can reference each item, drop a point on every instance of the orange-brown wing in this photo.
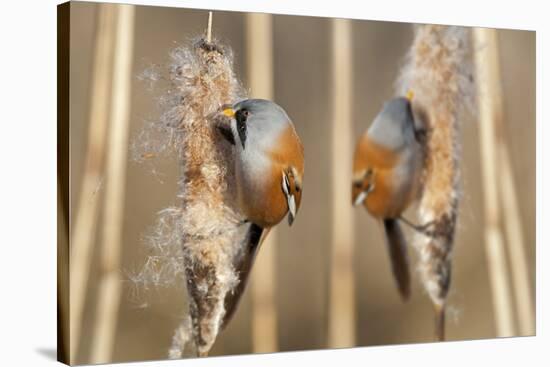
(371, 154)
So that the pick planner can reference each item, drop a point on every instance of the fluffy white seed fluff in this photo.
(198, 238)
(438, 70)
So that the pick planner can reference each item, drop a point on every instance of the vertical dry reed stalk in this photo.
(209, 28)
(341, 331)
(63, 180)
(437, 71)
(83, 232)
(113, 209)
(259, 36)
(63, 305)
(490, 113)
(516, 244)
(508, 195)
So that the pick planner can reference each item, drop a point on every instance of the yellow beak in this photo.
(410, 95)
(228, 111)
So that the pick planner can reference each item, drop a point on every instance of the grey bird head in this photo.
(394, 126)
(257, 120)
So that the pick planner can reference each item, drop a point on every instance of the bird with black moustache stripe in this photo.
(269, 168)
(386, 177)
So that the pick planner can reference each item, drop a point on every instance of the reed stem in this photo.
(341, 331)
(486, 61)
(510, 208)
(516, 245)
(83, 232)
(113, 209)
(209, 28)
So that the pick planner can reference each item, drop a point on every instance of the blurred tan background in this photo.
(302, 85)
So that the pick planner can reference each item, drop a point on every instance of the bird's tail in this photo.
(243, 265)
(398, 254)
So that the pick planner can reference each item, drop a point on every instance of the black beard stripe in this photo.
(241, 129)
(241, 126)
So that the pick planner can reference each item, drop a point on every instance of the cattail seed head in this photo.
(198, 238)
(438, 71)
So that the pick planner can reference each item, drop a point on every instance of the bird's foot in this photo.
(426, 229)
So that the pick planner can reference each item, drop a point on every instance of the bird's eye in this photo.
(242, 115)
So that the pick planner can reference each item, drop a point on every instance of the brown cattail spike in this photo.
(438, 70)
(200, 239)
(210, 227)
